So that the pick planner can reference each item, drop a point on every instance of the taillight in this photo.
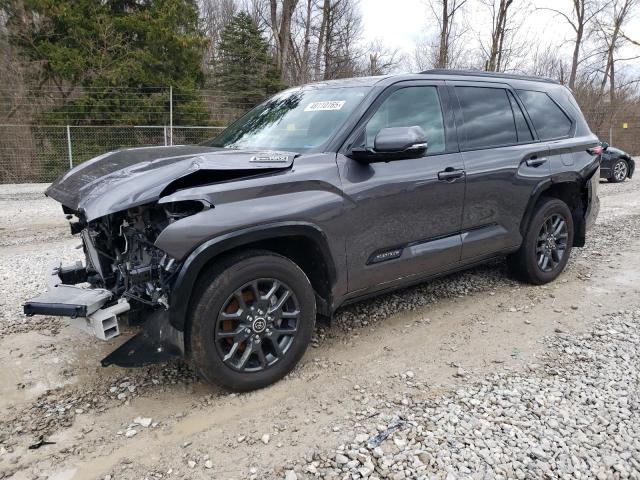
(596, 150)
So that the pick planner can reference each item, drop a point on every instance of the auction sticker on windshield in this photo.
(326, 105)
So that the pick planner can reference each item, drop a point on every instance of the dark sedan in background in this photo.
(615, 165)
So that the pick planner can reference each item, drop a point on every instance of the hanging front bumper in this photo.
(64, 297)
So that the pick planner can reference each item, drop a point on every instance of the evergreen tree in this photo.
(244, 69)
(106, 46)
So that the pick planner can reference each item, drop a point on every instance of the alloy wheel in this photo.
(620, 171)
(551, 243)
(256, 325)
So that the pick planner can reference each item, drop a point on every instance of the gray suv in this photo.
(227, 252)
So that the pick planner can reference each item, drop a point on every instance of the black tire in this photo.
(528, 263)
(619, 171)
(273, 353)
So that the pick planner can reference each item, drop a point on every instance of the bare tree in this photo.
(340, 31)
(304, 36)
(215, 15)
(380, 59)
(445, 12)
(547, 61)
(610, 29)
(499, 17)
(584, 11)
(281, 27)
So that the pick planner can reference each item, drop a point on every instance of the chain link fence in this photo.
(44, 132)
(40, 153)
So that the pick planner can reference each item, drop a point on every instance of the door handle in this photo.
(535, 161)
(450, 174)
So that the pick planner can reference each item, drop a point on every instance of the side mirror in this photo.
(394, 143)
(401, 139)
(604, 145)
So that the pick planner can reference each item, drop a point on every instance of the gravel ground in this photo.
(508, 416)
(574, 415)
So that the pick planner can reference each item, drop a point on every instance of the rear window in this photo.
(547, 117)
(488, 118)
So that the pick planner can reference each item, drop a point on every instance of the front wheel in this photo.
(252, 320)
(546, 247)
(619, 171)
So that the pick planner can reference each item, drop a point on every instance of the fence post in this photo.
(165, 135)
(171, 115)
(69, 146)
(610, 134)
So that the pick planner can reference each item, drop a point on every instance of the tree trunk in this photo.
(320, 48)
(576, 57)
(494, 62)
(579, 8)
(328, 30)
(306, 53)
(282, 32)
(443, 54)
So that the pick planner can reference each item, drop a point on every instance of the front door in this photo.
(404, 216)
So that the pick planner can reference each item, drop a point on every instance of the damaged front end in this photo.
(119, 204)
(124, 272)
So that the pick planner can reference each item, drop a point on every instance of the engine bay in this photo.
(121, 255)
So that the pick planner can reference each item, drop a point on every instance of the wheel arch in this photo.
(631, 165)
(572, 189)
(303, 243)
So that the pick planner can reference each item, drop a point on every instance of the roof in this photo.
(479, 73)
(437, 72)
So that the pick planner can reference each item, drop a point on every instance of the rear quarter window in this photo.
(548, 118)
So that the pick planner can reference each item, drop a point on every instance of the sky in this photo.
(402, 23)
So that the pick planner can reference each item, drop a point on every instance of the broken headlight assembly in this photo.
(122, 257)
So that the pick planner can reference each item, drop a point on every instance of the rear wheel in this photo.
(252, 320)
(545, 250)
(619, 171)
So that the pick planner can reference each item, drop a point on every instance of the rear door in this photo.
(403, 215)
(503, 162)
(553, 126)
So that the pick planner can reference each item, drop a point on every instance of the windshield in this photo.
(293, 120)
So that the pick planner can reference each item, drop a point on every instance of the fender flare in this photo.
(579, 178)
(196, 261)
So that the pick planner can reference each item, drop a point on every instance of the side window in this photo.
(548, 119)
(523, 130)
(488, 119)
(408, 107)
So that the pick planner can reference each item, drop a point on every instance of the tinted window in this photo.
(524, 132)
(548, 119)
(408, 107)
(488, 118)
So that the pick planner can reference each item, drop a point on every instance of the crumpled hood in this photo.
(130, 177)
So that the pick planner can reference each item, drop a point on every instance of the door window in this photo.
(488, 118)
(408, 107)
(547, 117)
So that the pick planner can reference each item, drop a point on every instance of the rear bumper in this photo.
(84, 306)
(593, 205)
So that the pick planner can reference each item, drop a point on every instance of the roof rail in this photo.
(480, 73)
